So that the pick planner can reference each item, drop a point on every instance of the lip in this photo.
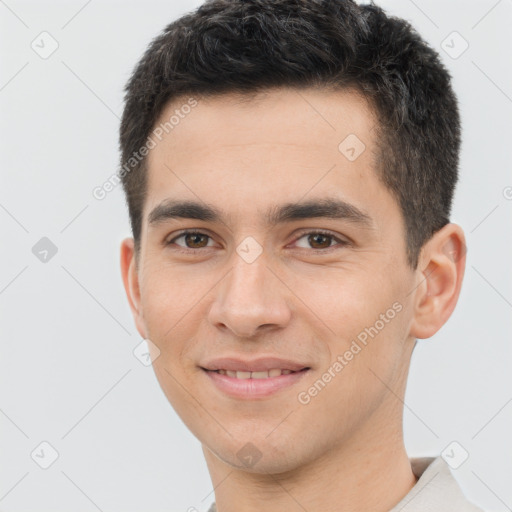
(253, 388)
(261, 364)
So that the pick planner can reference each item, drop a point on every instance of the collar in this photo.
(435, 491)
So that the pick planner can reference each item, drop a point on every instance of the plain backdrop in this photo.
(68, 375)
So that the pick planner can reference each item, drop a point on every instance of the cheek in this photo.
(171, 304)
(168, 297)
(344, 300)
(360, 317)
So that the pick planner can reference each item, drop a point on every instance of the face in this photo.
(296, 265)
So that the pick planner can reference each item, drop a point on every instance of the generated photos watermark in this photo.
(101, 191)
(305, 397)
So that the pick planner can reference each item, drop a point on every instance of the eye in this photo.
(193, 240)
(320, 240)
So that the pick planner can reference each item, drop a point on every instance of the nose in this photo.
(250, 299)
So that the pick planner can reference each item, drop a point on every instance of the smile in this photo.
(247, 385)
(239, 374)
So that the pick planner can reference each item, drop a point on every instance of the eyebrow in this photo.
(320, 208)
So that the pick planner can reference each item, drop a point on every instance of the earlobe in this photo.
(131, 283)
(440, 274)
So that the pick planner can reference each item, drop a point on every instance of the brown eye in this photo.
(196, 240)
(320, 241)
(193, 240)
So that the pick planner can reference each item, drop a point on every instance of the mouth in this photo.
(241, 374)
(253, 380)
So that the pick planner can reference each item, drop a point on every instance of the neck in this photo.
(369, 472)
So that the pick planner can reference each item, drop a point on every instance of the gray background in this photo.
(68, 375)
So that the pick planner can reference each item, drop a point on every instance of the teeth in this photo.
(274, 372)
(259, 375)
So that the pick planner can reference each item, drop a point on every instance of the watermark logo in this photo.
(146, 352)
(455, 455)
(454, 45)
(44, 250)
(44, 455)
(351, 147)
(249, 455)
(45, 45)
(249, 249)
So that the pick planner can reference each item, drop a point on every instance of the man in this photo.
(289, 167)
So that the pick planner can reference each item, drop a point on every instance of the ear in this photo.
(440, 272)
(130, 276)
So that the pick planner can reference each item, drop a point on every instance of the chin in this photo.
(257, 454)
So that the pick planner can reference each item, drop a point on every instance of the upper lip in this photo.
(255, 365)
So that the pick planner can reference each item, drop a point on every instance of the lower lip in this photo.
(253, 388)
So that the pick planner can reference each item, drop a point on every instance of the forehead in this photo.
(251, 150)
(282, 115)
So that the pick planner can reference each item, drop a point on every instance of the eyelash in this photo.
(188, 250)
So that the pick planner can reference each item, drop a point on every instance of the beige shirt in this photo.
(435, 491)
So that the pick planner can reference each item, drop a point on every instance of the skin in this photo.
(344, 449)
